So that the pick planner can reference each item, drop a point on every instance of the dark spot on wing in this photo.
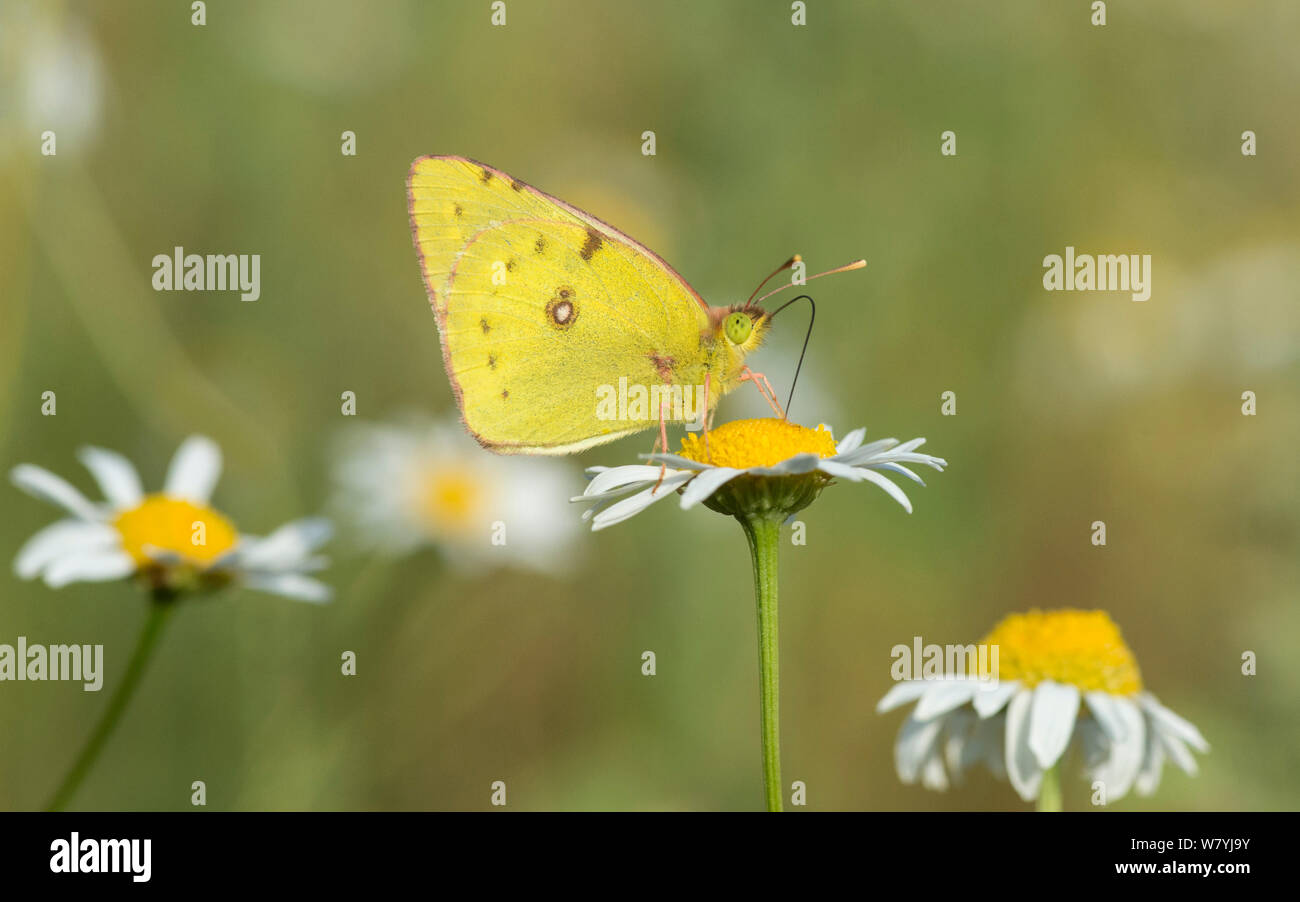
(483, 324)
(492, 362)
(510, 265)
(458, 210)
(540, 244)
(485, 176)
(561, 310)
(591, 245)
(516, 184)
(505, 393)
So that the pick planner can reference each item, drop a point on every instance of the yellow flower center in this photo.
(451, 498)
(1081, 648)
(757, 443)
(197, 533)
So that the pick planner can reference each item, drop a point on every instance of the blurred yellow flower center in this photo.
(757, 443)
(197, 533)
(451, 496)
(1081, 648)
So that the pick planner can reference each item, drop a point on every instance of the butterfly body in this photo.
(543, 310)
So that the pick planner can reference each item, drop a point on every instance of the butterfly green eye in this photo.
(738, 326)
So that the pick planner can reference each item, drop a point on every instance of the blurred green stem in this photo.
(160, 609)
(764, 535)
(1049, 794)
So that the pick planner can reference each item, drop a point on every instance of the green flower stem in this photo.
(1049, 793)
(160, 609)
(764, 535)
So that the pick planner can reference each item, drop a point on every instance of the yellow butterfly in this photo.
(558, 331)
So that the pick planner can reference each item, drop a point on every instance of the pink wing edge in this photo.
(521, 185)
(518, 185)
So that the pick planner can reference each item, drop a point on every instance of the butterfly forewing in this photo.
(541, 308)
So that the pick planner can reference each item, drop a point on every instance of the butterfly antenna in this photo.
(847, 267)
(780, 269)
(812, 316)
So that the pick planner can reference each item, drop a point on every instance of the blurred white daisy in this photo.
(1096, 354)
(402, 486)
(51, 78)
(750, 464)
(172, 540)
(1066, 684)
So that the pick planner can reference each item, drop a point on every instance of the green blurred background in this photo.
(772, 139)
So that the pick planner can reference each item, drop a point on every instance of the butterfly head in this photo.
(743, 328)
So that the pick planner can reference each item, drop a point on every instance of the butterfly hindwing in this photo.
(540, 305)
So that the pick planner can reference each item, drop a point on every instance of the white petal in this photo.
(1022, 765)
(675, 460)
(630, 507)
(1103, 706)
(92, 566)
(290, 585)
(993, 697)
(232, 562)
(1125, 756)
(618, 477)
(851, 442)
(960, 744)
(901, 471)
(288, 548)
(892, 490)
(888, 451)
(1172, 723)
(705, 484)
(933, 775)
(805, 462)
(916, 741)
(866, 452)
(840, 470)
(943, 696)
(41, 483)
(61, 538)
(1153, 760)
(1175, 749)
(937, 463)
(1093, 744)
(900, 694)
(116, 476)
(194, 470)
(605, 499)
(1056, 706)
(907, 447)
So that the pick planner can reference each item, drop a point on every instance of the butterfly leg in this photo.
(707, 416)
(662, 442)
(764, 388)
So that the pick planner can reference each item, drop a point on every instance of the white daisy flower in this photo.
(418, 483)
(752, 463)
(1066, 685)
(171, 540)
